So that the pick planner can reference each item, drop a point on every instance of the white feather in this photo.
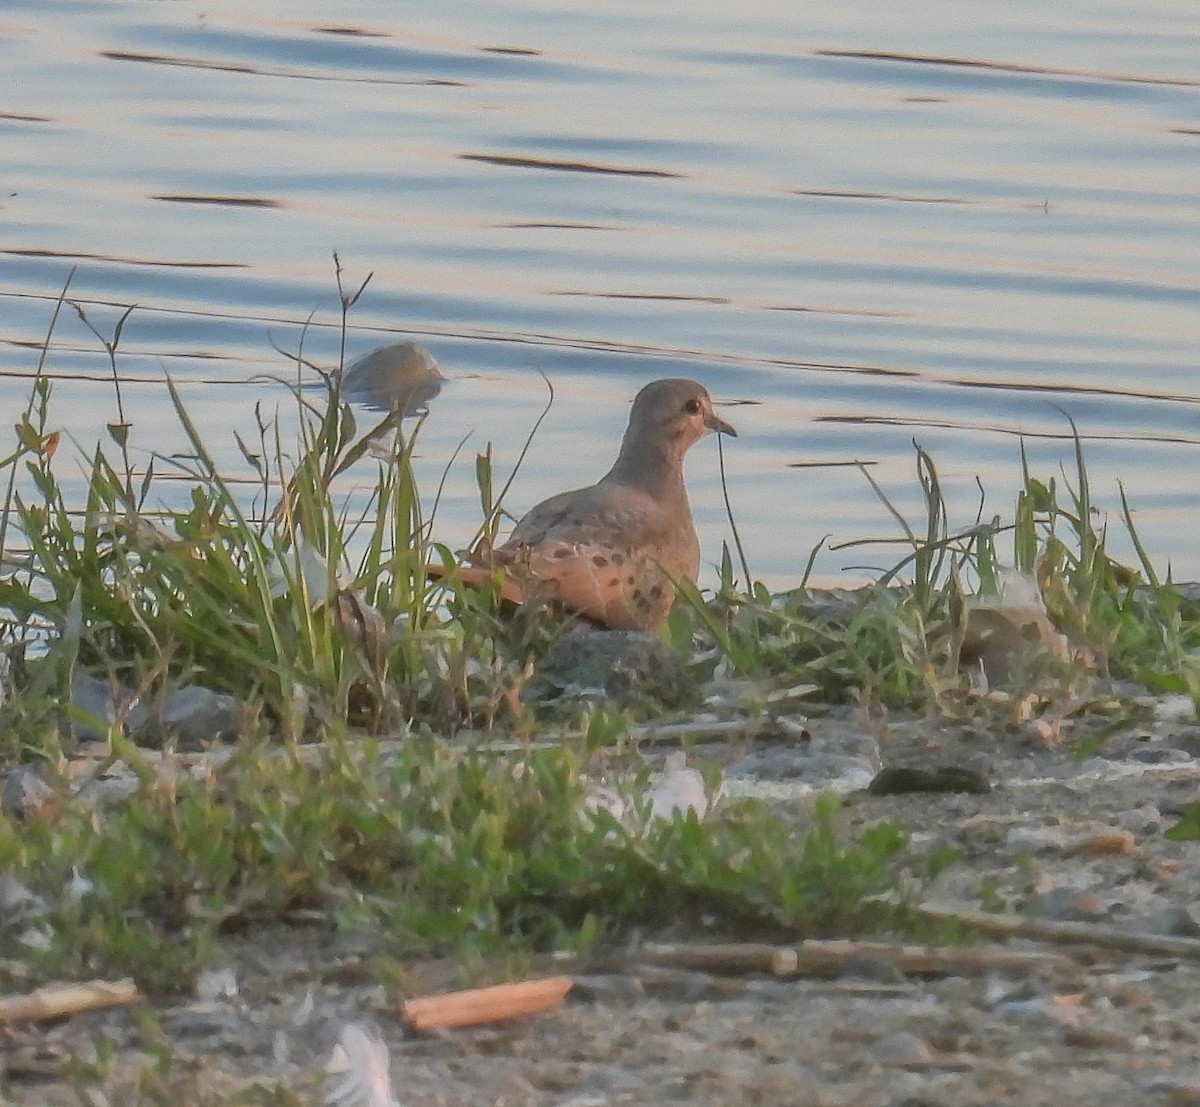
(359, 1071)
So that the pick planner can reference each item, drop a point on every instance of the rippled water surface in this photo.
(857, 224)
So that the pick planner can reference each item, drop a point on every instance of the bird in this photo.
(403, 377)
(612, 552)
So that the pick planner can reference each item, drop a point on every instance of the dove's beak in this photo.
(715, 423)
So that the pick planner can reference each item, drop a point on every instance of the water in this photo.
(858, 224)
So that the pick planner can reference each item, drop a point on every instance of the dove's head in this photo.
(668, 418)
(673, 414)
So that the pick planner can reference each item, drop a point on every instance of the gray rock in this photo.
(847, 742)
(1068, 905)
(901, 1048)
(626, 668)
(94, 709)
(875, 970)
(898, 780)
(194, 713)
(26, 795)
(1177, 919)
(814, 768)
(18, 905)
(1159, 755)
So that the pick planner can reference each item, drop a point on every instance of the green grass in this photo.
(325, 627)
(347, 803)
(900, 641)
(425, 851)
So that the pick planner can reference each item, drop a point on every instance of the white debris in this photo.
(213, 984)
(678, 789)
(359, 1071)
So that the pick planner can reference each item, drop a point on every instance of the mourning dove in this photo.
(612, 552)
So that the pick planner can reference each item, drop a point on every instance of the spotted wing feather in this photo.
(608, 553)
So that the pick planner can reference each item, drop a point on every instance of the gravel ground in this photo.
(1064, 838)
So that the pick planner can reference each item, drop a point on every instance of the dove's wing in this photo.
(609, 552)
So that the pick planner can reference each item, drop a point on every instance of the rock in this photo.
(1176, 1091)
(94, 710)
(1159, 755)
(898, 780)
(26, 795)
(624, 668)
(848, 742)
(830, 605)
(875, 970)
(1002, 627)
(820, 770)
(901, 1048)
(823, 754)
(1068, 904)
(189, 716)
(18, 905)
(1142, 821)
(1177, 919)
(214, 984)
(1102, 843)
(215, 1023)
(1175, 708)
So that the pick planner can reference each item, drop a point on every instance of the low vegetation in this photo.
(365, 789)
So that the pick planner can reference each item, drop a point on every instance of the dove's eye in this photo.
(692, 407)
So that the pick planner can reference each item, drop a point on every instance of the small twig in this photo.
(1051, 930)
(719, 957)
(670, 733)
(56, 1000)
(485, 1005)
(831, 957)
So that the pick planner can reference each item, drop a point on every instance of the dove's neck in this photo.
(650, 468)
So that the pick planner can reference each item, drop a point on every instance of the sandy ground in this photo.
(1064, 838)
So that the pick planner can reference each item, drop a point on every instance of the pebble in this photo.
(213, 984)
(877, 970)
(898, 780)
(1175, 708)
(17, 903)
(901, 1048)
(1178, 918)
(26, 795)
(1159, 755)
(1068, 904)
